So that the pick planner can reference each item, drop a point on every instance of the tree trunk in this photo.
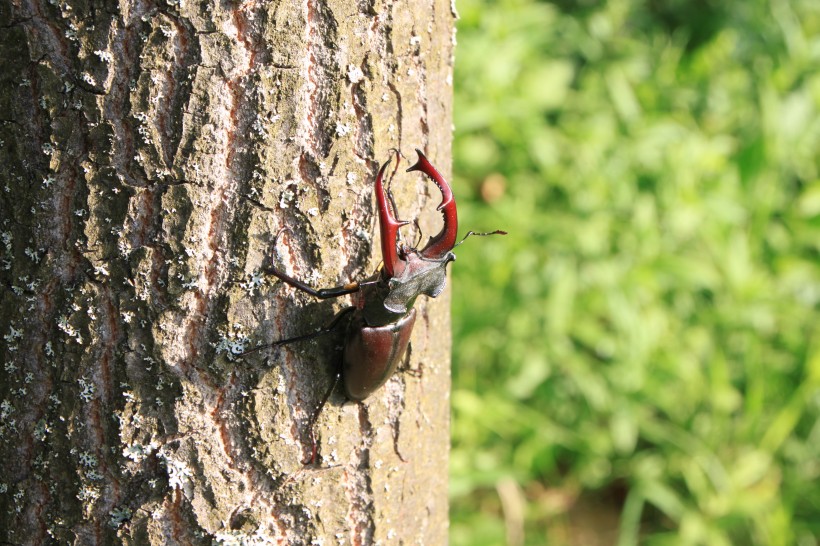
(149, 155)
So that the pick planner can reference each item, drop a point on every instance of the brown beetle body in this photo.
(372, 353)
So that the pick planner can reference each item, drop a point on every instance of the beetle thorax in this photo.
(419, 276)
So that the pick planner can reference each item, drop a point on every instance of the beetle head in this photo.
(411, 272)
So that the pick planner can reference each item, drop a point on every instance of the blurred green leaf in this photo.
(646, 335)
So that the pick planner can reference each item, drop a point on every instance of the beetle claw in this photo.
(388, 226)
(444, 242)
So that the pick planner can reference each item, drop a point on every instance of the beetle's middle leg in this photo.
(326, 329)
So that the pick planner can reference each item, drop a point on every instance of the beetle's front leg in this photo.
(322, 293)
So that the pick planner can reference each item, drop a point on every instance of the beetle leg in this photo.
(405, 367)
(388, 227)
(326, 329)
(322, 293)
(444, 242)
(314, 448)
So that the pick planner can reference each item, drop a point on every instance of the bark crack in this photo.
(358, 487)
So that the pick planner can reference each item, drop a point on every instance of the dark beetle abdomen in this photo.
(372, 354)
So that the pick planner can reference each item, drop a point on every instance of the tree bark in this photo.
(150, 152)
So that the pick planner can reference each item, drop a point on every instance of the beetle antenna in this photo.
(418, 235)
(398, 154)
(390, 198)
(418, 231)
(389, 185)
(480, 234)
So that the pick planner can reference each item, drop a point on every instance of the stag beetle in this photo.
(382, 318)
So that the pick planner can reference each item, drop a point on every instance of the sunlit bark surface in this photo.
(149, 154)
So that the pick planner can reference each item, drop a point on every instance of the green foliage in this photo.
(647, 337)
